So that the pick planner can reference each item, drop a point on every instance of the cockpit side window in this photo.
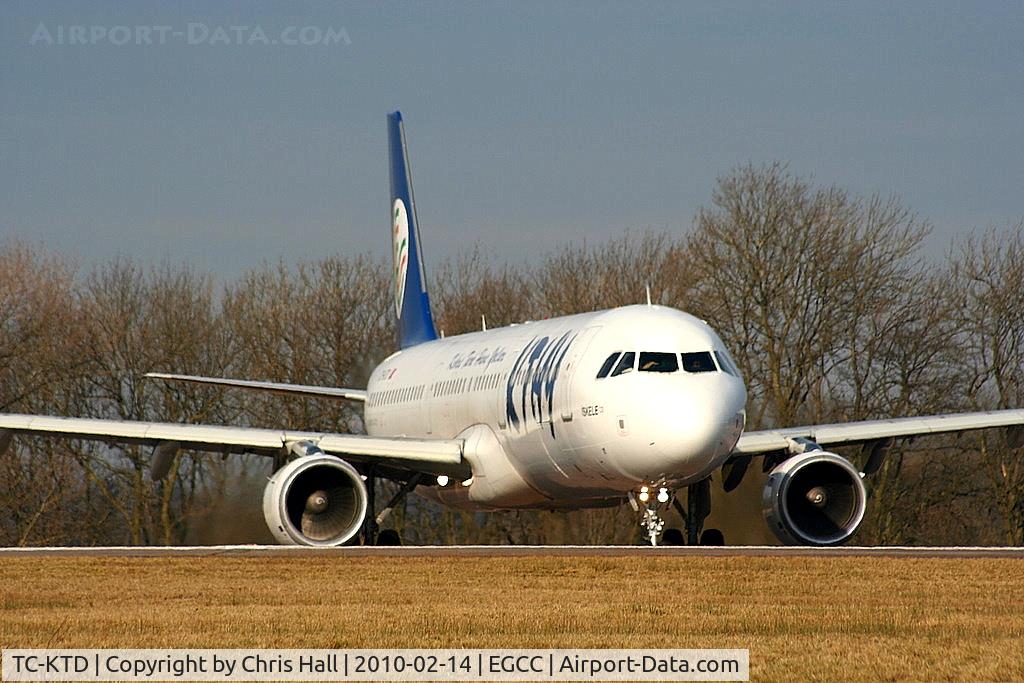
(651, 361)
(699, 361)
(725, 362)
(608, 364)
(625, 364)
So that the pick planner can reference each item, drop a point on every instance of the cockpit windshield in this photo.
(699, 361)
(625, 364)
(652, 361)
(619, 363)
(608, 364)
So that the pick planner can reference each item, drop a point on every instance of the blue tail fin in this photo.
(412, 305)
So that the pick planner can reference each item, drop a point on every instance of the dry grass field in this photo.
(828, 619)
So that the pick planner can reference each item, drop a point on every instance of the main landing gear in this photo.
(650, 502)
(371, 533)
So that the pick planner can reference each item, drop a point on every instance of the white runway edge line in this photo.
(517, 551)
(375, 665)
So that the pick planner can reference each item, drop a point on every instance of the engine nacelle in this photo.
(815, 498)
(317, 500)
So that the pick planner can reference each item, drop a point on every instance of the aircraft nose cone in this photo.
(704, 432)
(690, 433)
(703, 415)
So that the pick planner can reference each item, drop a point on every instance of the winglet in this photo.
(412, 304)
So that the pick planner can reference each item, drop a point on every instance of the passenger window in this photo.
(658, 362)
(607, 367)
(700, 361)
(625, 364)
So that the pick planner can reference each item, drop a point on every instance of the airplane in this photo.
(630, 405)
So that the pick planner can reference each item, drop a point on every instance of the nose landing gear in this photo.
(650, 502)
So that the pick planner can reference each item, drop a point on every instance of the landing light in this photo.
(662, 495)
(442, 480)
(644, 495)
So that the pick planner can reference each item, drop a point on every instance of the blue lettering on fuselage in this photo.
(534, 374)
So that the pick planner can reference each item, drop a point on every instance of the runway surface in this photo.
(515, 551)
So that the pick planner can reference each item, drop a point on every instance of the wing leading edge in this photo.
(429, 456)
(852, 433)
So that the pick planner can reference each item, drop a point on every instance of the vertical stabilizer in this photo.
(412, 305)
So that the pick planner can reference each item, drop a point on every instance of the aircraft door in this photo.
(564, 391)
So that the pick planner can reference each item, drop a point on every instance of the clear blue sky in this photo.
(529, 124)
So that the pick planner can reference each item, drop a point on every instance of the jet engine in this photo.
(315, 500)
(815, 498)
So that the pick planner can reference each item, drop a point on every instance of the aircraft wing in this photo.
(429, 456)
(849, 433)
(272, 387)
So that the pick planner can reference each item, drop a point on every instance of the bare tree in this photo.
(40, 340)
(138, 324)
(469, 289)
(989, 290)
(41, 353)
(818, 295)
(326, 322)
(791, 274)
(582, 278)
(822, 297)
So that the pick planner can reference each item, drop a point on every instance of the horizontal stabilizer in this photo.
(272, 387)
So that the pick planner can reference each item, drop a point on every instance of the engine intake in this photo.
(317, 500)
(816, 498)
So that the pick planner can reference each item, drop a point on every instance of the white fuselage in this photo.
(542, 429)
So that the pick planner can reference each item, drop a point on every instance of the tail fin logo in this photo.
(400, 242)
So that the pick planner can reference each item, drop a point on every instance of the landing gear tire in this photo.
(712, 537)
(673, 537)
(389, 537)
